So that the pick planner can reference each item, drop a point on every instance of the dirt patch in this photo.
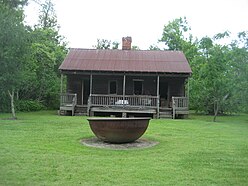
(138, 144)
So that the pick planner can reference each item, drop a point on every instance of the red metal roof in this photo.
(126, 61)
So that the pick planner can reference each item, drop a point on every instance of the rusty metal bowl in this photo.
(118, 130)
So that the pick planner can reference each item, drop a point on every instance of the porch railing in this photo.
(68, 102)
(68, 99)
(127, 100)
(180, 105)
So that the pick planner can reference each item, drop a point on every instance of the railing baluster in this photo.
(180, 102)
(66, 99)
(132, 100)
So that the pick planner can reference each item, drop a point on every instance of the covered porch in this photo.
(125, 95)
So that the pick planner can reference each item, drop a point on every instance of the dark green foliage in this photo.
(12, 46)
(28, 105)
(4, 102)
(13, 3)
(47, 51)
(219, 80)
(13, 52)
(239, 73)
(46, 55)
(30, 57)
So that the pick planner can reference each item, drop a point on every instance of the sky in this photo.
(82, 22)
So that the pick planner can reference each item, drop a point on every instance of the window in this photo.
(112, 87)
(138, 87)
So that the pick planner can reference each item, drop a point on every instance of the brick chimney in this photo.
(126, 43)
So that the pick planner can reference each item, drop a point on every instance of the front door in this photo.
(163, 92)
(85, 91)
(137, 87)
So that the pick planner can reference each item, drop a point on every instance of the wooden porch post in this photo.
(124, 86)
(124, 114)
(188, 93)
(61, 84)
(173, 108)
(61, 92)
(158, 97)
(89, 99)
(90, 84)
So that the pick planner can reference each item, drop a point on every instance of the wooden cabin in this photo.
(125, 83)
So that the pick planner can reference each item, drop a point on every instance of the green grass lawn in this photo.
(42, 148)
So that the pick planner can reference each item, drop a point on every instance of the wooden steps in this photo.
(81, 110)
(165, 112)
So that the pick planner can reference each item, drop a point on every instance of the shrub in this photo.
(4, 102)
(29, 105)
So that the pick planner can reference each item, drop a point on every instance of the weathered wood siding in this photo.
(177, 87)
(149, 84)
(74, 85)
(100, 85)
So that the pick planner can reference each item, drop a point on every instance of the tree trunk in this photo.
(216, 110)
(12, 96)
(217, 105)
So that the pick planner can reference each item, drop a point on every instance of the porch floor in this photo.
(123, 111)
(164, 112)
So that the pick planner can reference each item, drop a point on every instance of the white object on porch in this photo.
(121, 102)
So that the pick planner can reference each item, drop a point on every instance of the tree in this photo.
(46, 52)
(13, 42)
(176, 36)
(134, 47)
(238, 71)
(115, 45)
(30, 57)
(47, 16)
(105, 44)
(211, 88)
(154, 47)
(14, 3)
(102, 44)
(243, 39)
(173, 33)
(215, 80)
(219, 79)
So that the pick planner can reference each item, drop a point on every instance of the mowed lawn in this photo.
(41, 148)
